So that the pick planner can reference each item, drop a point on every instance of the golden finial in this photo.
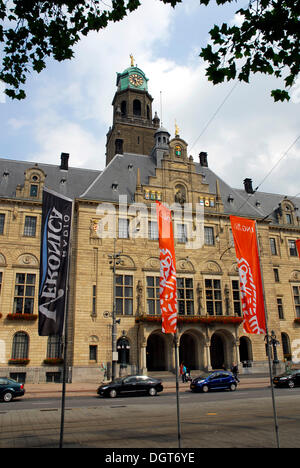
(131, 60)
(176, 129)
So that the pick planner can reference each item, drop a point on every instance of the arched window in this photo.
(137, 108)
(286, 348)
(20, 346)
(54, 347)
(123, 348)
(148, 112)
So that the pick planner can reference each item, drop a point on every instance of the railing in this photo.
(194, 319)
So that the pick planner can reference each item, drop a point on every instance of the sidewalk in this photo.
(54, 390)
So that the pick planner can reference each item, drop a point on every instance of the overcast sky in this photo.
(68, 106)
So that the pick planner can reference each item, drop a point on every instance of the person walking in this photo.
(183, 372)
(235, 371)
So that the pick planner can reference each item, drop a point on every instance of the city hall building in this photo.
(144, 163)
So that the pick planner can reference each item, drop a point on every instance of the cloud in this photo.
(240, 127)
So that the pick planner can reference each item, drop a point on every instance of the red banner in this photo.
(298, 246)
(167, 283)
(244, 236)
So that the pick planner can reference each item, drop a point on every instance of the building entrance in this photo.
(156, 353)
(217, 355)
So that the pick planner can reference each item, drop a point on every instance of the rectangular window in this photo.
(292, 248)
(124, 294)
(2, 220)
(273, 246)
(33, 190)
(236, 298)
(153, 304)
(94, 310)
(93, 353)
(209, 235)
(213, 295)
(152, 230)
(30, 226)
(276, 275)
(185, 296)
(296, 294)
(280, 308)
(181, 233)
(54, 347)
(123, 228)
(24, 293)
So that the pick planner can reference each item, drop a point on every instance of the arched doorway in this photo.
(245, 349)
(187, 351)
(156, 356)
(217, 354)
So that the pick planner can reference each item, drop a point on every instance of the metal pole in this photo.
(268, 347)
(115, 259)
(177, 392)
(63, 396)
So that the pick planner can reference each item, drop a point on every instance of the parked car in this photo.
(289, 379)
(217, 380)
(10, 389)
(131, 385)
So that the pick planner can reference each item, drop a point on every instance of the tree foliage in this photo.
(266, 40)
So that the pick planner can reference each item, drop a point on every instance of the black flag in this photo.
(54, 261)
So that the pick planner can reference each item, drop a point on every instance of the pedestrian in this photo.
(235, 371)
(183, 372)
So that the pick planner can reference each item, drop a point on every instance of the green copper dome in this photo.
(134, 78)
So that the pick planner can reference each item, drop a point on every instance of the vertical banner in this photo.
(244, 236)
(298, 247)
(54, 259)
(167, 283)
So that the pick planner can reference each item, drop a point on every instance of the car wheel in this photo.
(7, 397)
(152, 391)
(232, 387)
(291, 384)
(113, 393)
(205, 388)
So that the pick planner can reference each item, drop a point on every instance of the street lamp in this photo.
(114, 261)
(123, 348)
(274, 344)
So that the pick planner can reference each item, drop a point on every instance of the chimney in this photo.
(203, 159)
(248, 185)
(64, 158)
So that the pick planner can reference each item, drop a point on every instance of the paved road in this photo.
(239, 419)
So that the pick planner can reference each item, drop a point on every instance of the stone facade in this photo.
(210, 333)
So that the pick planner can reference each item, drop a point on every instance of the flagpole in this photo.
(268, 346)
(63, 395)
(177, 392)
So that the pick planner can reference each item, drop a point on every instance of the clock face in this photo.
(136, 80)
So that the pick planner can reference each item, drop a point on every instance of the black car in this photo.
(131, 385)
(10, 389)
(289, 379)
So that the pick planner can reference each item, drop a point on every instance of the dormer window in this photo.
(34, 190)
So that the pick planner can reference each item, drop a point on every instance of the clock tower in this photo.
(133, 127)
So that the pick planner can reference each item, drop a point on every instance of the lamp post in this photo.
(274, 344)
(114, 261)
(123, 348)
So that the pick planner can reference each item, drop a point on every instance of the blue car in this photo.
(218, 380)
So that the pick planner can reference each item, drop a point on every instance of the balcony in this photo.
(27, 317)
(209, 319)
